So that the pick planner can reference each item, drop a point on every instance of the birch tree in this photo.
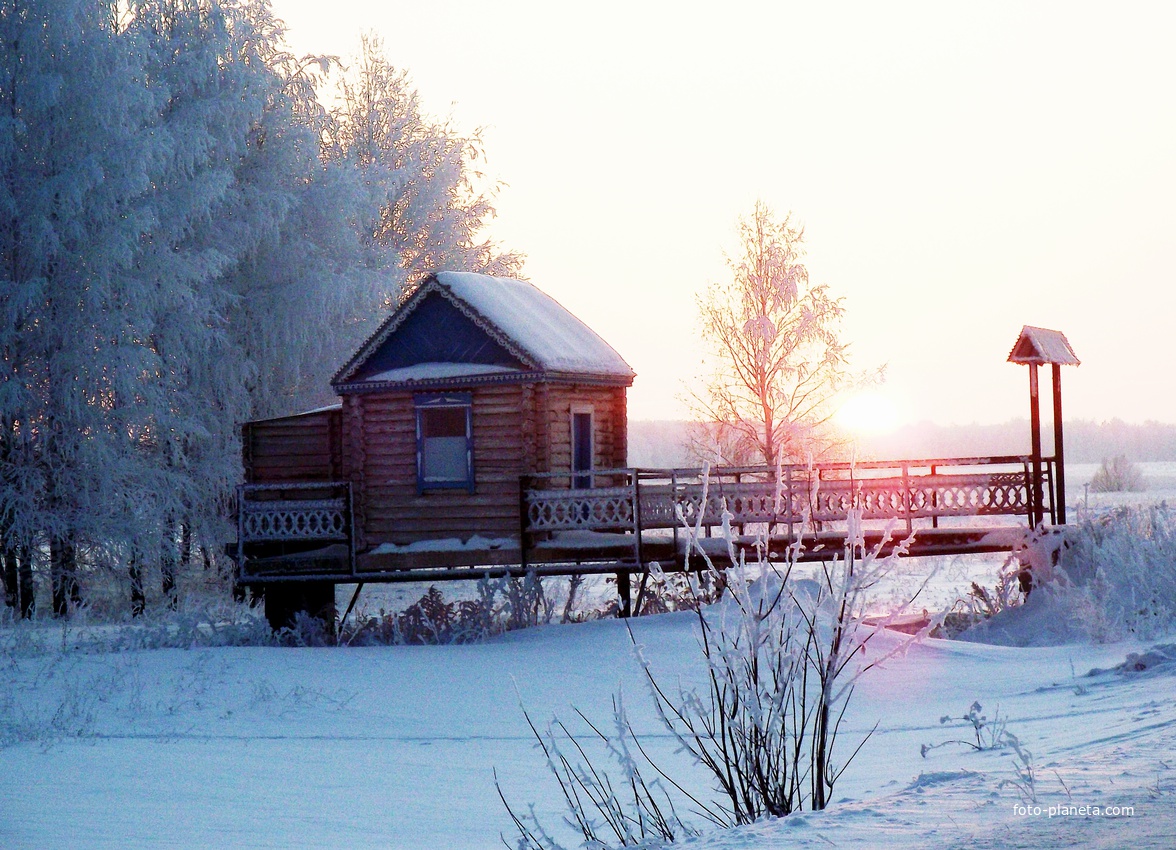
(779, 362)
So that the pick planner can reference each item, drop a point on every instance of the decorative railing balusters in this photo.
(801, 494)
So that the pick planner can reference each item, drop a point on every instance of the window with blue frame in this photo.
(445, 441)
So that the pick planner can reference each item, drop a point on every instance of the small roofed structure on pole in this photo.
(1035, 347)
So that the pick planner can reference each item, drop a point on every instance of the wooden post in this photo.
(674, 513)
(284, 600)
(1035, 496)
(350, 605)
(524, 485)
(1059, 451)
(934, 499)
(240, 570)
(624, 592)
(640, 552)
(906, 498)
(351, 529)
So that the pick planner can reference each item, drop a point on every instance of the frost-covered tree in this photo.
(122, 214)
(73, 183)
(432, 207)
(779, 360)
(312, 284)
(1117, 475)
(209, 95)
(184, 244)
(392, 197)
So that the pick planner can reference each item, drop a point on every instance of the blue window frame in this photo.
(444, 442)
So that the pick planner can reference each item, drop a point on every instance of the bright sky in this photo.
(962, 169)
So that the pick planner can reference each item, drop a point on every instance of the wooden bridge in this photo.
(456, 417)
(620, 521)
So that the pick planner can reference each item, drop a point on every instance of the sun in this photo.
(868, 412)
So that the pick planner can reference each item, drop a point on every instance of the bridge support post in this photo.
(285, 600)
(624, 591)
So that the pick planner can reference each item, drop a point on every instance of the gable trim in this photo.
(343, 378)
(536, 376)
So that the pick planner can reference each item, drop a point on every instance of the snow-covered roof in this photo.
(554, 338)
(1041, 345)
(324, 409)
(532, 329)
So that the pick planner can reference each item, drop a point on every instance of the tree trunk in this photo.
(821, 745)
(138, 596)
(11, 578)
(24, 582)
(186, 544)
(63, 572)
(167, 564)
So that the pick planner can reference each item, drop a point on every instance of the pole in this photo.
(1059, 451)
(524, 517)
(1035, 498)
(626, 608)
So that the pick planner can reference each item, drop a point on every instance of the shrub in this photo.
(988, 734)
(983, 603)
(1117, 475)
(1124, 567)
(1103, 580)
(635, 811)
(782, 655)
(502, 605)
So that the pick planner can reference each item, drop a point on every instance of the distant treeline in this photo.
(662, 443)
(1085, 441)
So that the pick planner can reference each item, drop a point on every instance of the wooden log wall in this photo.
(517, 428)
(355, 463)
(306, 447)
(609, 427)
(383, 450)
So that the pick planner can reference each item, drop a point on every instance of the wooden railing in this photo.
(300, 522)
(298, 514)
(789, 498)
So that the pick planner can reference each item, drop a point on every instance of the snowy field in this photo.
(397, 747)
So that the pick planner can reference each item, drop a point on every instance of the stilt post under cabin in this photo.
(285, 600)
(625, 593)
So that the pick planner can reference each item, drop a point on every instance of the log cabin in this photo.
(482, 430)
(472, 383)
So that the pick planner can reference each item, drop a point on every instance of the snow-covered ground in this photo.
(397, 747)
